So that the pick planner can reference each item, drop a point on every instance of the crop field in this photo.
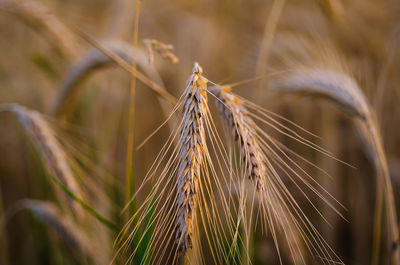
(199, 132)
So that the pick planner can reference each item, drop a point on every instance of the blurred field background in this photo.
(301, 59)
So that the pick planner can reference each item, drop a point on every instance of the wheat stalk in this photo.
(192, 142)
(334, 9)
(332, 85)
(43, 20)
(62, 168)
(127, 67)
(65, 227)
(93, 60)
(3, 240)
(344, 91)
(56, 159)
(267, 39)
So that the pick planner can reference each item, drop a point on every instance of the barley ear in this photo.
(192, 144)
(344, 91)
(243, 130)
(95, 60)
(62, 225)
(37, 16)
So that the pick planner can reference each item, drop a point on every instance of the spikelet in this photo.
(192, 144)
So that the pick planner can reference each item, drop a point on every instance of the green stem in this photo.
(89, 209)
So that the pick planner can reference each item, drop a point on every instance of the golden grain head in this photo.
(192, 143)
